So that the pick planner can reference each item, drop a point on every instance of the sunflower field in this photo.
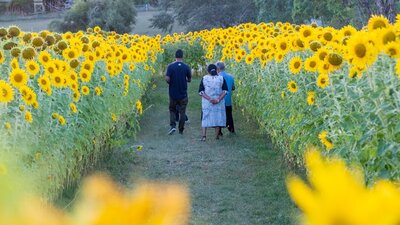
(337, 89)
(64, 96)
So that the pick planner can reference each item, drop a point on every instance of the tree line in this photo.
(205, 14)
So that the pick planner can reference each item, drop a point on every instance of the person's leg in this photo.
(177, 112)
(203, 133)
(229, 119)
(182, 112)
(217, 132)
(172, 112)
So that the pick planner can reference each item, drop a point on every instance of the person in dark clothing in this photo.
(177, 115)
(177, 76)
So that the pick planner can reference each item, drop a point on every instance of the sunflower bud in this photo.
(335, 59)
(37, 42)
(74, 63)
(95, 44)
(43, 34)
(50, 40)
(13, 31)
(15, 52)
(3, 32)
(85, 39)
(28, 53)
(27, 37)
(62, 45)
(315, 45)
(9, 45)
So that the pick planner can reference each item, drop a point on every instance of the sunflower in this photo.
(28, 117)
(7, 125)
(58, 80)
(103, 78)
(85, 90)
(6, 92)
(393, 49)
(76, 96)
(44, 81)
(311, 98)
(334, 59)
(18, 78)
(322, 53)
(73, 107)
(28, 95)
(32, 67)
(324, 140)
(377, 22)
(360, 52)
(295, 65)
(311, 64)
(44, 57)
(61, 120)
(355, 72)
(28, 53)
(323, 80)
(292, 86)
(2, 57)
(249, 59)
(348, 31)
(37, 42)
(386, 36)
(98, 91)
(70, 54)
(14, 63)
(88, 65)
(85, 75)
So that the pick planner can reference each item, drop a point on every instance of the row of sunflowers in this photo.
(65, 96)
(309, 85)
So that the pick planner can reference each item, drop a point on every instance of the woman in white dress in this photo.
(213, 89)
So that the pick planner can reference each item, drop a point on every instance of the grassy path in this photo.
(236, 180)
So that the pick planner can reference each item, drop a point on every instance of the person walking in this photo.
(212, 89)
(177, 76)
(228, 98)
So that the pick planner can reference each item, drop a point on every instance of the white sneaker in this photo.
(172, 130)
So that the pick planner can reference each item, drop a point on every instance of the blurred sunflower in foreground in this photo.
(337, 195)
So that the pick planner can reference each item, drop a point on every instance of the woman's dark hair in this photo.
(212, 69)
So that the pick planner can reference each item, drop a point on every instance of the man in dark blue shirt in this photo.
(177, 76)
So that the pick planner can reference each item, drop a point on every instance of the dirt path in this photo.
(236, 180)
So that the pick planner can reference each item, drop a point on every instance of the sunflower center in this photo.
(335, 59)
(18, 78)
(388, 37)
(51, 69)
(71, 54)
(392, 51)
(4, 92)
(328, 36)
(283, 46)
(322, 55)
(323, 80)
(379, 24)
(58, 80)
(296, 65)
(32, 67)
(293, 86)
(43, 82)
(360, 50)
(306, 33)
(313, 64)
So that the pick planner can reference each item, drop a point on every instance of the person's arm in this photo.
(189, 75)
(168, 75)
(224, 92)
(202, 92)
